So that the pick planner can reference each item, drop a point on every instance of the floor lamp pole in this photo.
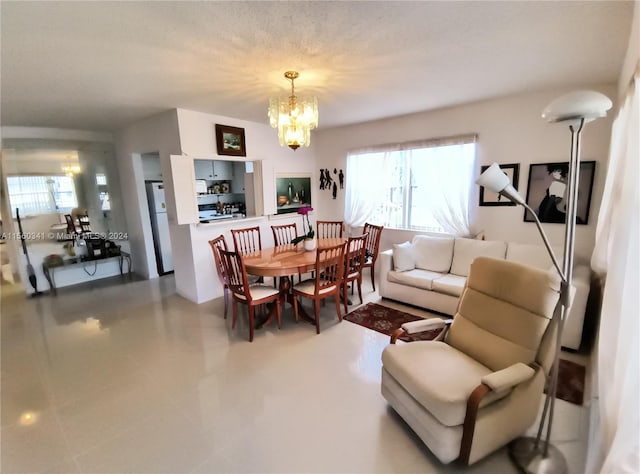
(575, 108)
(526, 451)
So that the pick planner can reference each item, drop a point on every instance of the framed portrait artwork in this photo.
(489, 198)
(230, 140)
(548, 190)
(292, 192)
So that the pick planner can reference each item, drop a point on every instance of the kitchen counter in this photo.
(229, 220)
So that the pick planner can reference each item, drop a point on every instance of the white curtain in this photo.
(614, 445)
(436, 174)
(446, 183)
(367, 180)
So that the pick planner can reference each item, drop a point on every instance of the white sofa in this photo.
(431, 272)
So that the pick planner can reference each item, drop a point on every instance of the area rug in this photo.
(571, 376)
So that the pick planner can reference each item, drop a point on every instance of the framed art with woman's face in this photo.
(548, 189)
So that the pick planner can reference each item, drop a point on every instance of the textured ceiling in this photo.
(102, 65)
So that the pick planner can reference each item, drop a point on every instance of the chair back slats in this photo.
(329, 267)
(217, 244)
(236, 273)
(374, 232)
(355, 254)
(284, 234)
(247, 240)
(329, 229)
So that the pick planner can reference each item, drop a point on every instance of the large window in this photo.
(41, 194)
(425, 186)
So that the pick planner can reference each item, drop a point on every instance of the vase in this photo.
(310, 244)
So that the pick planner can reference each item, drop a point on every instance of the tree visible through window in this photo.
(41, 194)
(425, 187)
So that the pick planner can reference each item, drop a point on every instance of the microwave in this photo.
(201, 186)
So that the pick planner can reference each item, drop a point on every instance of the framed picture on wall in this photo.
(547, 191)
(230, 140)
(489, 198)
(292, 192)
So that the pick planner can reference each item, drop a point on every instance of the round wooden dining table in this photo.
(282, 262)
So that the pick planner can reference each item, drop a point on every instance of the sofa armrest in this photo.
(509, 377)
(385, 260)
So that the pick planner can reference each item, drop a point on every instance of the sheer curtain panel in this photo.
(425, 186)
(614, 445)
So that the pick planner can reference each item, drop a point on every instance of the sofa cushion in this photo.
(425, 368)
(417, 278)
(433, 253)
(450, 284)
(533, 255)
(404, 257)
(466, 251)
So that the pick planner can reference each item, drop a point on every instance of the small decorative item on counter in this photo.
(224, 187)
(216, 189)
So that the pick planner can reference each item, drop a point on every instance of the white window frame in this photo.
(41, 194)
(422, 172)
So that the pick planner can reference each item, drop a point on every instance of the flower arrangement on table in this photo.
(304, 211)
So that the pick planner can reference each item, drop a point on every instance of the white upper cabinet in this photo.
(214, 170)
(237, 183)
(151, 167)
(203, 169)
(222, 170)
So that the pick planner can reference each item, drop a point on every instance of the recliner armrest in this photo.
(509, 377)
(425, 325)
(421, 326)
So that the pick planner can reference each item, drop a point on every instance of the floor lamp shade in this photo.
(577, 105)
(494, 179)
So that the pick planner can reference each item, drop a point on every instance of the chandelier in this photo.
(293, 117)
(70, 169)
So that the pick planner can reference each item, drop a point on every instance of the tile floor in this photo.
(130, 377)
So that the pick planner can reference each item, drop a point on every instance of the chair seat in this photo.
(437, 376)
(259, 292)
(352, 276)
(308, 287)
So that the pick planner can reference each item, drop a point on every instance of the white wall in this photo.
(157, 134)
(510, 130)
(197, 137)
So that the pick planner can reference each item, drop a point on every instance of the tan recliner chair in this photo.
(481, 385)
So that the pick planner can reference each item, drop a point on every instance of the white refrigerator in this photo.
(160, 226)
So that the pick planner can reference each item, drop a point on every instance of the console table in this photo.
(49, 270)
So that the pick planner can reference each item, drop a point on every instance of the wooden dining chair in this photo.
(217, 244)
(246, 241)
(353, 263)
(284, 234)
(242, 292)
(374, 232)
(329, 229)
(329, 270)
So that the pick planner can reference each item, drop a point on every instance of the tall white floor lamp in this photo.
(532, 455)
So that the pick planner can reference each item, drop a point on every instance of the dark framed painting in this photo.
(548, 190)
(489, 198)
(292, 193)
(230, 140)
